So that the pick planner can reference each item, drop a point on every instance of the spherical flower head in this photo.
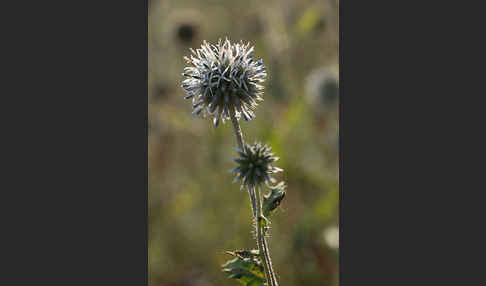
(224, 79)
(254, 166)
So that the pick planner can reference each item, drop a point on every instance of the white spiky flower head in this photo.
(224, 78)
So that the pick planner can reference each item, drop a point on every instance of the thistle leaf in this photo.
(273, 199)
(246, 267)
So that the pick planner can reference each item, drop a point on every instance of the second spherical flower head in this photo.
(254, 165)
(224, 79)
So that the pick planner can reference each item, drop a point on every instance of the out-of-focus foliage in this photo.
(195, 212)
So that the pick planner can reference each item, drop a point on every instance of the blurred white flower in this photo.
(322, 87)
(331, 237)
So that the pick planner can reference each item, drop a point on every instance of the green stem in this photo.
(237, 129)
(241, 143)
(253, 202)
(256, 206)
(262, 243)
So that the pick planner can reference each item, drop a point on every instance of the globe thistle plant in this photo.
(224, 82)
(254, 166)
(224, 79)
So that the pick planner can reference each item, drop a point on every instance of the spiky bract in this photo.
(254, 165)
(224, 78)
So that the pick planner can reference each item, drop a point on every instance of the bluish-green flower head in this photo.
(255, 166)
(224, 78)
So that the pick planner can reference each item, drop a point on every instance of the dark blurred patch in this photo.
(329, 91)
(322, 86)
(186, 33)
(321, 25)
(161, 91)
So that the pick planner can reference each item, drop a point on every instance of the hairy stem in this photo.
(239, 140)
(236, 126)
(253, 202)
(262, 243)
(256, 206)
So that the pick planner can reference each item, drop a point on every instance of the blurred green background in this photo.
(195, 212)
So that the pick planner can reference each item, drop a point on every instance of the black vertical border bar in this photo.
(75, 185)
(377, 172)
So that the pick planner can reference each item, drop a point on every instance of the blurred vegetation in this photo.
(195, 212)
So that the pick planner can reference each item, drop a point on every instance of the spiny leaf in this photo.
(246, 267)
(273, 199)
